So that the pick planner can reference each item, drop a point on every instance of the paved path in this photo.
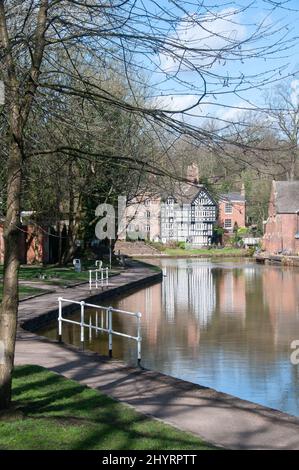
(216, 417)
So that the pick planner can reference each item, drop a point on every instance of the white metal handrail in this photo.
(109, 324)
(95, 280)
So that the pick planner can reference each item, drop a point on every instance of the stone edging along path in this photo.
(216, 417)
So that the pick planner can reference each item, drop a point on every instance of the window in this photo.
(228, 208)
(147, 202)
(170, 201)
(228, 223)
(148, 214)
(148, 228)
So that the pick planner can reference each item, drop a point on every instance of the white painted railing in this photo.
(98, 277)
(108, 327)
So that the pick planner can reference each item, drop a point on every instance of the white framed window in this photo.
(170, 201)
(228, 208)
(228, 223)
(147, 202)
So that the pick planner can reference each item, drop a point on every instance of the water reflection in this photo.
(227, 325)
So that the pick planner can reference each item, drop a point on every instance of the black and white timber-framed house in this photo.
(188, 214)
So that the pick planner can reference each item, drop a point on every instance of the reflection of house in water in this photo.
(232, 293)
(192, 288)
(281, 294)
(147, 301)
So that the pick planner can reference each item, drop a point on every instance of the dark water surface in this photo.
(224, 324)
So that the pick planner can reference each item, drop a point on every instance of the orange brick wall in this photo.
(279, 235)
(237, 216)
(280, 230)
(33, 245)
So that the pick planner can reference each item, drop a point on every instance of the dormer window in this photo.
(170, 201)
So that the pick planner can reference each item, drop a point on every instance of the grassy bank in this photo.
(25, 291)
(53, 274)
(215, 252)
(52, 412)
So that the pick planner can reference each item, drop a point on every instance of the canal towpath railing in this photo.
(107, 328)
(98, 277)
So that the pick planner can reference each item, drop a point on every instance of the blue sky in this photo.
(240, 25)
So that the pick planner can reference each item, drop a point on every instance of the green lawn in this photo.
(52, 412)
(25, 291)
(227, 251)
(53, 274)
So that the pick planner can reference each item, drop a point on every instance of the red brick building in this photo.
(232, 210)
(281, 233)
(34, 244)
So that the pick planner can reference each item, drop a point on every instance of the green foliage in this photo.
(242, 231)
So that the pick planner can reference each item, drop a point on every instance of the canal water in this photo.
(224, 324)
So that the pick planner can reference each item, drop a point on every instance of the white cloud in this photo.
(212, 33)
(178, 102)
(295, 93)
(232, 114)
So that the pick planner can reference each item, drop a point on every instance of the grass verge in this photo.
(53, 274)
(25, 291)
(57, 413)
(215, 252)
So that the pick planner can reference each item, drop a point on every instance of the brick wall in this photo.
(33, 248)
(237, 215)
(280, 230)
(279, 235)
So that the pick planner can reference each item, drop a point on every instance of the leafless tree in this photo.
(283, 105)
(52, 50)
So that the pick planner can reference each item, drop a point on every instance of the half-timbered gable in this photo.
(203, 213)
(188, 216)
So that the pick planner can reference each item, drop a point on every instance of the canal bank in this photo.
(216, 417)
(283, 260)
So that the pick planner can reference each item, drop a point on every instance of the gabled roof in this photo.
(184, 193)
(286, 196)
(232, 197)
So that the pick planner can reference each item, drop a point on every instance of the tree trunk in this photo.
(9, 306)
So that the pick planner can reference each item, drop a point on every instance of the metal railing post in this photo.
(60, 320)
(110, 329)
(82, 303)
(90, 279)
(139, 338)
(90, 329)
(96, 278)
(107, 276)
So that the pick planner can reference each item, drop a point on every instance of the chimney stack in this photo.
(193, 173)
